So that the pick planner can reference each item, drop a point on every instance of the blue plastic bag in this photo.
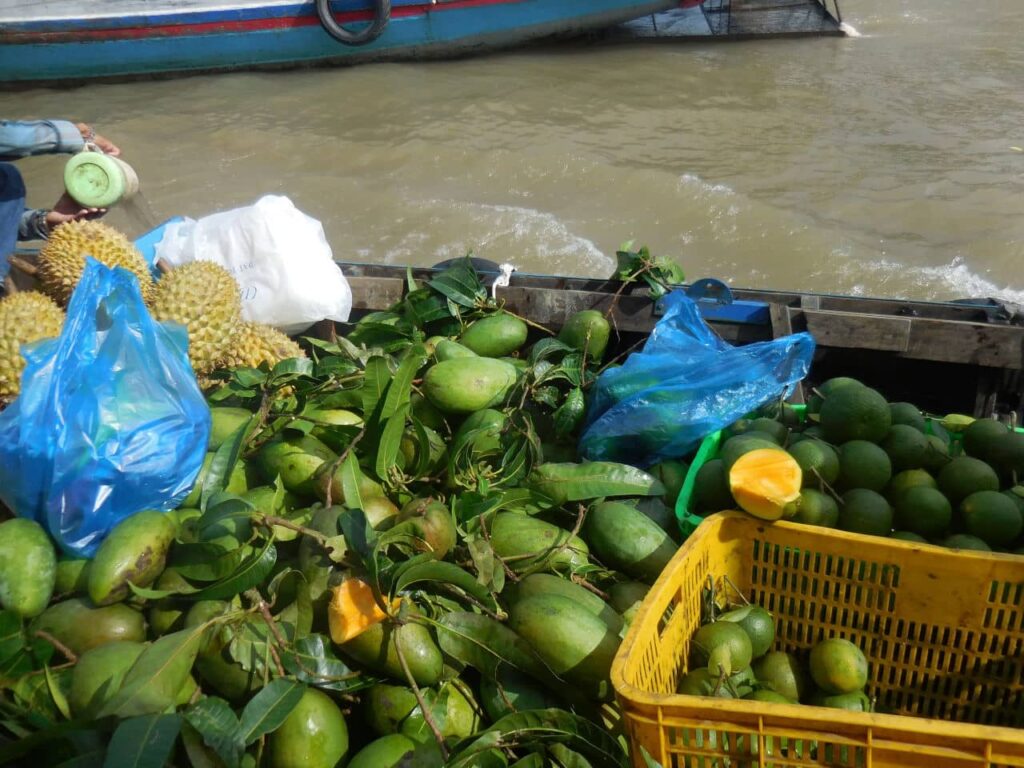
(110, 419)
(685, 384)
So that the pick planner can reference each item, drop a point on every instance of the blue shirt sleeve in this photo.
(38, 137)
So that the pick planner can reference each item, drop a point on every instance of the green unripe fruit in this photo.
(72, 576)
(28, 567)
(81, 626)
(135, 551)
(446, 349)
(224, 422)
(385, 752)
(464, 385)
(98, 675)
(314, 735)
(496, 335)
(587, 330)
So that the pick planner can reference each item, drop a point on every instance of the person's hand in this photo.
(66, 209)
(90, 136)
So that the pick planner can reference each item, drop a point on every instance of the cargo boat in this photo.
(59, 42)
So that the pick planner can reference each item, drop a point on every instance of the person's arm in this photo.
(38, 137)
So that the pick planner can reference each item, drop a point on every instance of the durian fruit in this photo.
(255, 343)
(62, 258)
(203, 297)
(25, 317)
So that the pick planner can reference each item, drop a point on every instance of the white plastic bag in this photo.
(278, 255)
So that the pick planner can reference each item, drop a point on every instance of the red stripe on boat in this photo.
(221, 27)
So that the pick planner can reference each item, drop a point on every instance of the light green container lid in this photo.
(96, 180)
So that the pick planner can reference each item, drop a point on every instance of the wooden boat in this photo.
(945, 357)
(736, 20)
(63, 41)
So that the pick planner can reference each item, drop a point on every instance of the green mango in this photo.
(314, 735)
(672, 474)
(237, 482)
(72, 576)
(214, 664)
(437, 450)
(627, 540)
(182, 515)
(135, 551)
(512, 691)
(547, 584)
(588, 330)
(446, 349)
(495, 335)
(326, 420)
(290, 507)
(28, 567)
(394, 709)
(626, 594)
(574, 643)
(525, 541)
(467, 384)
(168, 614)
(80, 626)
(224, 422)
(430, 521)
(385, 752)
(376, 648)
(427, 414)
(298, 460)
(98, 675)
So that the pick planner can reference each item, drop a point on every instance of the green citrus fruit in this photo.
(838, 666)
(817, 508)
(763, 694)
(758, 623)
(963, 476)
(965, 541)
(721, 646)
(906, 447)
(701, 682)
(923, 510)
(711, 488)
(818, 460)
(865, 511)
(907, 413)
(855, 413)
(909, 536)
(782, 673)
(980, 436)
(815, 401)
(855, 701)
(992, 517)
(776, 429)
(907, 479)
(936, 455)
(863, 464)
(737, 446)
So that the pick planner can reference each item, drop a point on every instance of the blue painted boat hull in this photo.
(72, 49)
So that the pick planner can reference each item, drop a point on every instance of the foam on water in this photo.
(849, 30)
(950, 281)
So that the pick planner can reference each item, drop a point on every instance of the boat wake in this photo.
(947, 282)
(849, 30)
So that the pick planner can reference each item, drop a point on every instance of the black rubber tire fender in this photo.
(381, 17)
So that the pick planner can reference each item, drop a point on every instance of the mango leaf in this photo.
(215, 721)
(422, 307)
(592, 480)
(400, 389)
(391, 441)
(489, 571)
(549, 396)
(202, 561)
(482, 643)
(93, 758)
(15, 659)
(56, 693)
(548, 347)
(156, 594)
(293, 367)
(222, 507)
(248, 574)
(268, 709)
(448, 573)
(569, 415)
(157, 676)
(198, 753)
(545, 726)
(351, 474)
(375, 383)
(249, 645)
(312, 661)
(143, 742)
(359, 535)
(460, 284)
(224, 460)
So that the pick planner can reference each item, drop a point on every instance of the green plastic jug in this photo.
(96, 180)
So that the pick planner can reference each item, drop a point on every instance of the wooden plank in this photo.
(375, 293)
(840, 329)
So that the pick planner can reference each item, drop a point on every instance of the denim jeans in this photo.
(12, 206)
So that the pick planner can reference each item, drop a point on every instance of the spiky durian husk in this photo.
(255, 343)
(203, 297)
(25, 317)
(62, 258)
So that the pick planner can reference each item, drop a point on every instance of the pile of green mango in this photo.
(427, 451)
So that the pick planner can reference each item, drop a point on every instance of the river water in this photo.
(887, 164)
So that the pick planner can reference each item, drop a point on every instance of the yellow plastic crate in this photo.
(943, 633)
